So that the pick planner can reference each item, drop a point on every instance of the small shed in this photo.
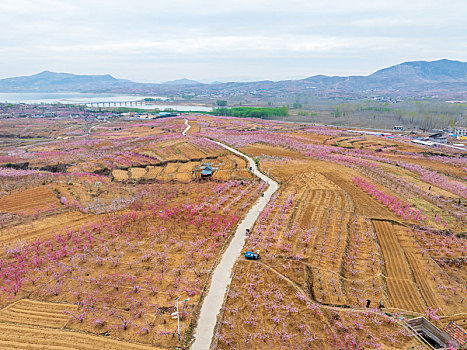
(207, 171)
(436, 337)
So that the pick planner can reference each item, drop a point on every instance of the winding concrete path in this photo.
(221, 276)
(188, 127)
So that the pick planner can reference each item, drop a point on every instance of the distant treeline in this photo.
(252, 112)
(377, 109)
(427, 115)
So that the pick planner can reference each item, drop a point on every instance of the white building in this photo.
(439, 137)
(460, 131)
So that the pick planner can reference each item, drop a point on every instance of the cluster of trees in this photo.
(426, 115)
(252, 112)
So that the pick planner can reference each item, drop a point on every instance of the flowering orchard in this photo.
(318, 256)
(401, 208)
(279, 315)
(102, 225)
(352, 222)
(103, 147)
(125, 271)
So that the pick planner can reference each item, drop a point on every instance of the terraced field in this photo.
(413, 279)
(46, 226)
(225, 168)
(28, 337)
(30, 201)
(318, 231)
(402, 289)
(37, 313)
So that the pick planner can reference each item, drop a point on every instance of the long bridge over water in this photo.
(112, 103)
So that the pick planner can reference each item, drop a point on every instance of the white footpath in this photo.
(222, 277)
(188, 127)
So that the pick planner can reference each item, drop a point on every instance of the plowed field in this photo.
(403, 292)
(30, 201)
(46, 226)
(37, 313)
(28, 337)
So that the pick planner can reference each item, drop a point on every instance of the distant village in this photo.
(453, 138)
(23, 110)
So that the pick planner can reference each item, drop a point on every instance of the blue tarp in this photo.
(206, 171)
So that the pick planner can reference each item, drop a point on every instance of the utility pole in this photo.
(177, 314)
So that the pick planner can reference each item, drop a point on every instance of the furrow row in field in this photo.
(421, 279)
(395, 262)
(41, 198)
(46, 226)
(404, 295)
(402, 289)
(35, 317)
(27, 337)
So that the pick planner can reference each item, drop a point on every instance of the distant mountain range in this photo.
(443, 78)
(182, 82)
(52, 82)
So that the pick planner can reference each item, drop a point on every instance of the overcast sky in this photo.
(159, 40)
